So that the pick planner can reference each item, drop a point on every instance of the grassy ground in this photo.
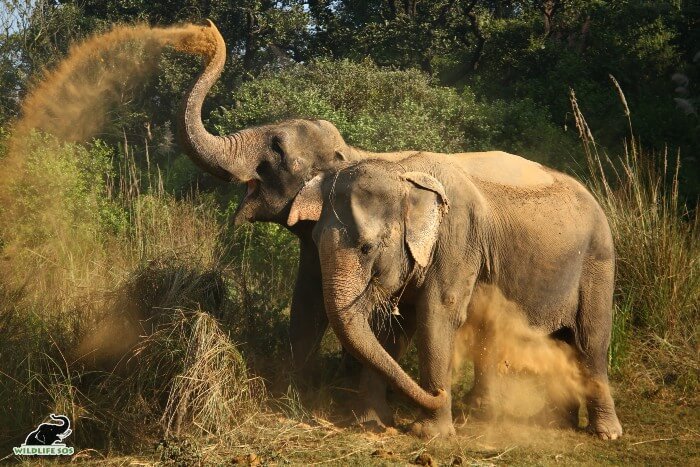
(661, 421)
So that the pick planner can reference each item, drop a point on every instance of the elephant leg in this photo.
(481, 332)
(594, 323)
(480, 398)
(562, 408)
(373, 408)
(434, 340)
(307, 320)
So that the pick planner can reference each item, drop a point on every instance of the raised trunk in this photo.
(64, 420)
(221, 156)
(341, 288)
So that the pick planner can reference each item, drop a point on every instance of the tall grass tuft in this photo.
(213, 392)
(112, 293)
(657, 241)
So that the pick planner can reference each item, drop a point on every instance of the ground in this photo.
(661, 423)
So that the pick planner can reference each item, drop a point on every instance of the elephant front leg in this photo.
(307, 321)
(373, 410)
(435, 340)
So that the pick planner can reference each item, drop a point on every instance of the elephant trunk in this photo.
(221, 156)
(62, 418)
(342, 287)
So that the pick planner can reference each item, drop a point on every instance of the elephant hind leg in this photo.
(562, 393)
(594, 323)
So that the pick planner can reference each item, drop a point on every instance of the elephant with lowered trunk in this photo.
(433, 232)
(275, 161)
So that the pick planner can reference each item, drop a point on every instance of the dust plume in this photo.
(56, 250)
(73, 101)
(532, 376)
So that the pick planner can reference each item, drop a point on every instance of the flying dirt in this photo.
(531, 371)
(72, 103)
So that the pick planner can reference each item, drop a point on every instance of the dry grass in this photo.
(657, 241)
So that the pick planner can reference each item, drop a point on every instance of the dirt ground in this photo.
(662, 427)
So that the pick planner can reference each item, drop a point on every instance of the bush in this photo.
(381, 109)
(102, 286)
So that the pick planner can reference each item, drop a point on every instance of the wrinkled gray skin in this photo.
(274, 161)
(436, 231)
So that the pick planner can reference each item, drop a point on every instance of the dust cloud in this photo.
(531, 376)
(72, 268)
(73, 101)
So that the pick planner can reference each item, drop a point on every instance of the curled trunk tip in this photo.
(440, 399)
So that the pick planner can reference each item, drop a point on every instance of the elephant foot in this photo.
(602, 419)
(375, 419)
(605, 425)
(429, 428)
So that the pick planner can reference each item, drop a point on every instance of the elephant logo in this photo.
(50, 433)
(47, 439)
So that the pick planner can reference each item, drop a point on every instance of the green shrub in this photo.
(386, 110)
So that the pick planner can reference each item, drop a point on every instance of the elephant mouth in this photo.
(251, 189)
(243, 213)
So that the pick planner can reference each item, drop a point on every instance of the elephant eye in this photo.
(365, 248)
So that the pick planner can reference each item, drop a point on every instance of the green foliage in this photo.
(636, 41)
(657, 245)
(382, 110)
(620, 334)
(374, 108)
(63, 188)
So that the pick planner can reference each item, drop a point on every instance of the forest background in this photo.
(124, 220)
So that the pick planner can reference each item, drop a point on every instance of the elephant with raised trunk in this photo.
(435, 232)
(274, 161)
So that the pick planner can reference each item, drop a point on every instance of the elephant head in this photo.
(273, 161)
(65, 423)
(376, 227)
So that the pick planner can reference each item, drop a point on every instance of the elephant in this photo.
(435, 232)
(48, 434)
(274, 161)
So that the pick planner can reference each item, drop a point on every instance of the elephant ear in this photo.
(308, 203)
(426, 206)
